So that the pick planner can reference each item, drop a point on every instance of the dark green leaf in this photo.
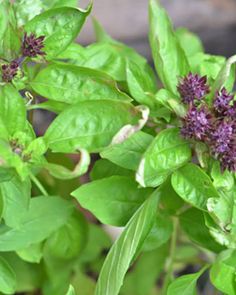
(112, 200)
(104, 168)
(193, 223)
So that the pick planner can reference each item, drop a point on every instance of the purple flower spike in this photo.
(193, 87)
(32, 45)
(196, 124)
(222, 137)
(228, 160)
(9, 71)
(222, 102)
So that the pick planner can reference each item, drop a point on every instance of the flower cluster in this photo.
(9, 71)
(32, 46)
(216, 125)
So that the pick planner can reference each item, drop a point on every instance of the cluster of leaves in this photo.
(169, 193)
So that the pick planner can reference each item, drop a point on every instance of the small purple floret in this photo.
(196, 124)
(222, 102)
(222, 137)
(32, 45)
(9, 71)
(192, 87)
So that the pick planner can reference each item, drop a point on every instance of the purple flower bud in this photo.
(9, 71)
(196, 124)
(222, 137)
(193, 87)
(32, 45)
(222, 102)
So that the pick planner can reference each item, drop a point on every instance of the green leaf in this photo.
(160, 232)
(25, 10)
(141, 83)
(193, 224)
(16, 197)
(190, 42)
(194, 186)
(112, 200)
(7, 278)
(104, 168)
(69, 240)
(221, 180)
(185, 285)
(124, 249)
(33, 253)
(169, 57)
(167, 152)
(89, 125)
(59, 3)
(3, 19)
(222, 272)
(61, 172)
(140, 281)
(128, 153)
(45, 215)
(12, 109)
(71, 84)
(60, 26)
(71, 291)
(29, 276)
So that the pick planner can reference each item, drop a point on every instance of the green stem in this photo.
(169, 273)
(39, 185)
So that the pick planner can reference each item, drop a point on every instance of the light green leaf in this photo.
(45, 215)
(60, 26)
(169, 57)
(167, 152)
(16, 197)
(71, 291)
(194, 186)
(12, 109)
(190, 42)
(128, 153)
(25, 10)
(59, 3)
(89, 125)
(185, 285)
(71, 84)
(221, 180)
(7, 278)
(141, 83)
(222, 272)
(124, 249)
(33, 253)
(112, 200)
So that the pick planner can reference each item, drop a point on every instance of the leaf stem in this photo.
(169, 272)
(39, 185)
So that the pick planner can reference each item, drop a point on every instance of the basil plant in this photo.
(93, 138)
